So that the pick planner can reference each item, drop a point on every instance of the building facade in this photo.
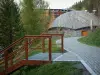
(54, 13)
(77, 23)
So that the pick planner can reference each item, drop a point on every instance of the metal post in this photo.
(91, 25)
(50, 46)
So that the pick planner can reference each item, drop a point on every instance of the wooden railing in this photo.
(20, 49)
(61, 39)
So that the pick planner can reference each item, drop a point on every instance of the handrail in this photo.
(9, 59)
(53, 34)
(14, 43)
(17, 41)
(36, 36)
(61, 35)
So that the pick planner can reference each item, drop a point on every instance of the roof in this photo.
(75, 20)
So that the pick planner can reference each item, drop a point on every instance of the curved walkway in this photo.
(89, 55)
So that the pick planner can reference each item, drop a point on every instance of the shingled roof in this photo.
(75, 20)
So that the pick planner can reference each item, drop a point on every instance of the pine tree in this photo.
(89, 5)
(10, 25)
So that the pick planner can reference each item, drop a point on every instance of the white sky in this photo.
(59, 4)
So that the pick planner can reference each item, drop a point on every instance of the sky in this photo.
(59, 4)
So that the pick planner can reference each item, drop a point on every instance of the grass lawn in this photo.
(59, 68)
(92, 39)
(55, 48)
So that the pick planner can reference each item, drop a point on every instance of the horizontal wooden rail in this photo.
(27, 36)
(13, 44)
(22, 47)
(24, 63)
(37, 36)
(54, 34)
(61, 35)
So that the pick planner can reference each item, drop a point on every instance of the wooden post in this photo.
(62, 43)
(26, 48)
(50, 46)
(6, 61)
(43, 45)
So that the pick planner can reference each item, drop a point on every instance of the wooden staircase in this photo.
(21, 48)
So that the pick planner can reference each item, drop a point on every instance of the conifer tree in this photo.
(10, 25)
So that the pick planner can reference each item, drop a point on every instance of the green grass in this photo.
(35, 52)
(59, 68)
(92, 39)
(55, 48)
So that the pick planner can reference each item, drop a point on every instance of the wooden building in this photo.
(77, 23)
(54, 13)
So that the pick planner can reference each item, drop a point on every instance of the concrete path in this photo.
(89, 55)
(68, 56)
(44, 56)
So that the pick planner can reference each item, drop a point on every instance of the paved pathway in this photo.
(68, 56)
(90, 56)
(44, 56)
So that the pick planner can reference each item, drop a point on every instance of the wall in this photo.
(54, 13)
